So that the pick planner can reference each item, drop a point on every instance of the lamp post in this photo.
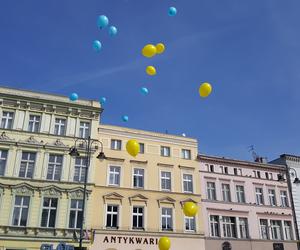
(87, 147)
(296, 181)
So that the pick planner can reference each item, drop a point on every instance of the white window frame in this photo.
(7, 118)
(49, 209)
(211, 190)
(226, 193)
(116, 144)
(21, 207)
(59, 126)
(240, 195)
(243, 228)
(165, 151)
(189, 221)
(2, 159)
(166, 216)
(165, 178)
(114, 178)
(264, 229)
(138, 175)
(272, 197)
(82, 169)
(28, 163)
(284, 198)
(232, 226)
(138, 214)
(186, 154)
(84, 131)
(112, 213)
(142, 148)
(56, 165)
(188, 181)
(213, 224)
(262, 200)
(288, 230)
(276, 228)
(36, 123)
(77, 210)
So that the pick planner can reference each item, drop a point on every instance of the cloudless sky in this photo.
(248, 50)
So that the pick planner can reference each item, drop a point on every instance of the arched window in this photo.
(226, 246)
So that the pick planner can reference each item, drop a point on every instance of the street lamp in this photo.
(86, 145)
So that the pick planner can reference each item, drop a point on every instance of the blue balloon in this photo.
(97, 45)
(102, 21)
(112, 31)
(125, 118)
(172, 11)
(73, 97)
(102, 100)
(144, 91)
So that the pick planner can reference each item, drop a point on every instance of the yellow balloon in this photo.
(190, 209)
(150, 70)
(164, 243)
(205, 89)
(160, 48)
(149, 50)
(133, 147)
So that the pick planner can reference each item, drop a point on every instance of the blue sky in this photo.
(248, 50)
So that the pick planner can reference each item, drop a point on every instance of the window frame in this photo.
(238, 194)
(226, 194)
(116, 144)
(213, 190)
(165, 178)
(21, 207)
(189, 182)
(34, 121)
(49, 208)
(55, 166)
(138, 214)
(164, 149)
(28, 162)
(167, 216)
(186, 154)
(59, 132)
(138, 176)
(82, 129)
(2, 159)
(77, 211)
(112, 213)
(7, 119)
(109, 172)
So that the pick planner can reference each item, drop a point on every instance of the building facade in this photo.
(40, 183)
(139, 199)
(292, 163)
(245, 206)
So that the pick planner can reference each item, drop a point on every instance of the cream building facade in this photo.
(138, 200)
(40, 184)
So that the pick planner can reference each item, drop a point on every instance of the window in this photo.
(240, 194)
(226, 170)
(276, 229)
(259, 196)
(3, 158)
(54, 167)
(288, 230)
(165, 151)
(187, 183)
(7, 119)
(211, 168)
(190, 224)
(114, 175)
(165, 178)
(75, 218)
(49, 212)
(267, 176)
(264, 229)
(272, 197)
(166, 219)
(80, 169)
(34, 123)
(229, 227)
(138, 178)
(138, 218)
(115, 144)
(226, 192)
(211, 191)
(60, 126)
(270, 176)
(84, 130)
(186, 154)
(142, 148)
(214, 226)
(235, 171)
(20, 213)
(27, 165)
(284, 199)
(243, 224)
(112, 216)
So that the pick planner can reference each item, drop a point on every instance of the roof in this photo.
(223, 160)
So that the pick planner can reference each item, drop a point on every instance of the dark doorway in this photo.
(226, 246)
(278, 246)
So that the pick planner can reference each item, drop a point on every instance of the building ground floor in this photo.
(104, 240)
(247, 244)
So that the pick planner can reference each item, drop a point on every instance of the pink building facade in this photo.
(245, 206)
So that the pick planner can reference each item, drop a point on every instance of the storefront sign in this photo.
(130, 240)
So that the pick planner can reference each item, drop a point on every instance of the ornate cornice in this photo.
(23, 189)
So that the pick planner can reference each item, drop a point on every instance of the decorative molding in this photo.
(187, 200)
(114, 159)
(32, 140)
(139, 198)
(23, 189)
(167, 200)
(113, 196)
(51, 191)
(138, 162)
(186, 167)
(5, 137)
(165, 165)
(77, 193)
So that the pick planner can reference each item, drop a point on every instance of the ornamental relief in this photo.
(22, 190)
(51, 191)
